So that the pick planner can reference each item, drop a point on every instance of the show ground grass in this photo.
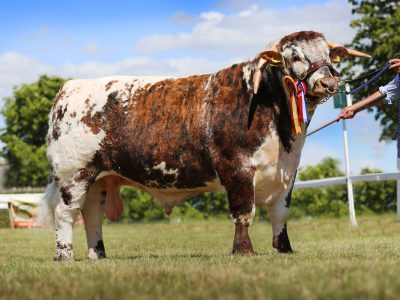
(191, 260)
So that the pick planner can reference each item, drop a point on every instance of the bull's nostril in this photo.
(329, 84)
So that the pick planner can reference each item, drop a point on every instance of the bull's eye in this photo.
(296, 58)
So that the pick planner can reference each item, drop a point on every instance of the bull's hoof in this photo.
(243, 252)
(93, 255)
(63, 257)
(241, 243)
(284, 250)
(282, 244)
(247, 252)
(98, 252)
(64, 252)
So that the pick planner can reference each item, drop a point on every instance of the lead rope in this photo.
(379, 73)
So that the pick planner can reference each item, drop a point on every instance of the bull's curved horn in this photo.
(274, 48)
(351, 52)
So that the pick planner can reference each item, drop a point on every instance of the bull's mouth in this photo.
(318, 92)
(319, 97)
(326, 92)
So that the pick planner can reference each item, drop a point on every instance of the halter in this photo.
(315, 66)
(296, 90)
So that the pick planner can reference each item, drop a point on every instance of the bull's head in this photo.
(307, 56)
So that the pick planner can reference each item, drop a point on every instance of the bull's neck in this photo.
(271, 93)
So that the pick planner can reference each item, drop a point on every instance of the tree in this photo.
(320, 201)
(376, 196)
(26, 118)
(377, 26)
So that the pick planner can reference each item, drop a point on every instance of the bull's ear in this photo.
(337, 54)
(272, 57)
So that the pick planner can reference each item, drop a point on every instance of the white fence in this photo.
(353, 179)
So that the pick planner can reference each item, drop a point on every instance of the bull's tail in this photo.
(48, 205)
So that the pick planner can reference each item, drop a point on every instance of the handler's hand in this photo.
(395, 64)
(347, 113)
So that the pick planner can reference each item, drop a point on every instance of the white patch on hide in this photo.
(278, 211)
(247, 74)
(246, 219)
(206, 106)
(162, 166)
(274, 167)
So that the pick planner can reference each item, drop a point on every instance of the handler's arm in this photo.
(350, 111)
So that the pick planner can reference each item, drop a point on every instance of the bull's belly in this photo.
(168, 197)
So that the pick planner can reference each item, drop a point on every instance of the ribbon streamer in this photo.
(301, 95)
(295, 92)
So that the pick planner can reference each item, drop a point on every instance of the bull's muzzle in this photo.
(325, 87)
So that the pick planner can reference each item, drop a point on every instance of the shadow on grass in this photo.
(194, 256)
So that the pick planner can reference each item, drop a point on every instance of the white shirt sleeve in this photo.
(392, 90)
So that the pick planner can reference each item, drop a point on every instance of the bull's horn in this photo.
(273, 46)
(357, 53)
(351, 52)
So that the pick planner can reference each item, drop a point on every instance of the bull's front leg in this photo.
(278, 213)
(93, 215)
(242, 210)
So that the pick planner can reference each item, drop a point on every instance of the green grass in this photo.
(192, 260)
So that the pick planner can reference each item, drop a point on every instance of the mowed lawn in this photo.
(192, 260)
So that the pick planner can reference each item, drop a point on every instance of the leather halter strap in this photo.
(315, 66)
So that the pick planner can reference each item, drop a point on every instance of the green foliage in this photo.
(210, 204)
(378, 197)
(26, 118)
(377, 26)
(140, 206)
(320, 201)
(375, 196)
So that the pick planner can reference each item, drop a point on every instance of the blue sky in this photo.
(87, 38)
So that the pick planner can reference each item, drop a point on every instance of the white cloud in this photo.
(314, 152)
(234, 4)
(247, 31)
(92, 48)
(38, 34)
(183, 18)
(16, 68)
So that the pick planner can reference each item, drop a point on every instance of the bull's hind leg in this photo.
(72, 197)
(278, 213)
(242, 209)
(93, 215)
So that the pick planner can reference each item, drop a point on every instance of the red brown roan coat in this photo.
(175, 138)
